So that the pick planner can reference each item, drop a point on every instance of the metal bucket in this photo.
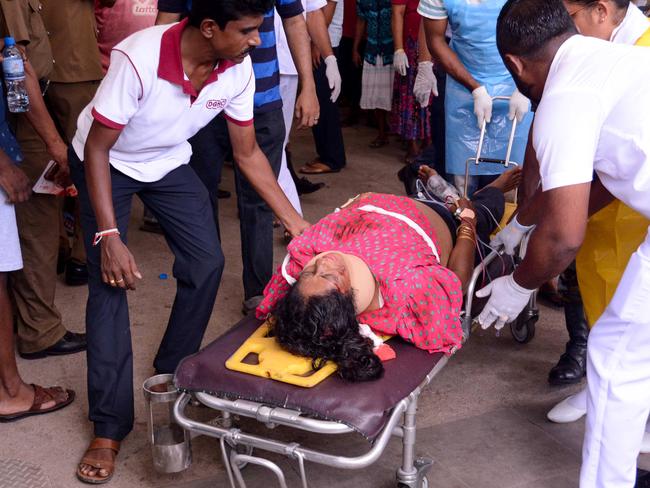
(171, 447)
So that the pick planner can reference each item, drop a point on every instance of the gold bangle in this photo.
(466, 232)
(465, 226)
(467, 238)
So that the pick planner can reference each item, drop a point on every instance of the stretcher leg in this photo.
(412, 473)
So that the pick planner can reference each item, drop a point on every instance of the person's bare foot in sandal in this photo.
(25, 400)
(98, 464)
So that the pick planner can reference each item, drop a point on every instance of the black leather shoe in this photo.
(76, 274)
(572, 366)
(71, 343)
(304, 186)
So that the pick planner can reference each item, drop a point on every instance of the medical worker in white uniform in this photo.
(621, 22)
(476, 74)
(592, 141)
(317, 28)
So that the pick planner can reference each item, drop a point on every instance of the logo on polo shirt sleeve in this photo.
(216, 104)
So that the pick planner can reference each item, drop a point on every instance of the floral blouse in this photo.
(379, 42)
(422, 298)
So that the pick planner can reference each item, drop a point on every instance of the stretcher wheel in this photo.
(424, 484)
(523, 329)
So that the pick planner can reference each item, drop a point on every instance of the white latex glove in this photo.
(400, 62)
(507, 300)
(333, 76)
(511, 236)
(482, 105)
(425, 83)
(519, 106)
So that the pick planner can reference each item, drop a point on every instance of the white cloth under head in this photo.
(10, 256)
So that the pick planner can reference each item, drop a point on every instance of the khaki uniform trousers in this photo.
(39, 321)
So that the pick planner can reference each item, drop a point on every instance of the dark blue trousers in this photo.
(327, 133)
(210, 146)
(181, 204)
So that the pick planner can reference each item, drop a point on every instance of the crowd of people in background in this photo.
(424, 73)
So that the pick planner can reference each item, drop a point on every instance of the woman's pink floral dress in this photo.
(422, 299)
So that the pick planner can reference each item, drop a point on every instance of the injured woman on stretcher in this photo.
(382, 264)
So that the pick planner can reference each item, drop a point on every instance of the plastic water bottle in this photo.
(14, 72)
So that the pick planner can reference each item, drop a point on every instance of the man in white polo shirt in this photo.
(163, 85)
(592, 141)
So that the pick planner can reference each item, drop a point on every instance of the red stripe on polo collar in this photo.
(170, 65)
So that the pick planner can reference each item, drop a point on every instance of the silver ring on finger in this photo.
(121, 280)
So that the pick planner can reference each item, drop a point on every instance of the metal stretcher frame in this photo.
(401, 423)
(412, 472)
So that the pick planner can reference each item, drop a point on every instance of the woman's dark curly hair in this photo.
(325, 327)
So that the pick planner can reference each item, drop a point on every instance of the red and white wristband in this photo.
(104, 233)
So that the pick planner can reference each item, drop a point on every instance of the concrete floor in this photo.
(482, 420)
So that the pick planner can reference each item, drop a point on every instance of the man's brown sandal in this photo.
(96, 463)
(60, 397)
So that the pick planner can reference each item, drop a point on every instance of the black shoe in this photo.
(71, 343)
(572, 366)
(642, 479)
(76, 274)
(221, 194)
(304, 186)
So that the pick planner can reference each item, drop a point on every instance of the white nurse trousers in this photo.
(288, 92)
(618, 372)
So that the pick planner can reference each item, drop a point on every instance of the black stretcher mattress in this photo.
(365, 407)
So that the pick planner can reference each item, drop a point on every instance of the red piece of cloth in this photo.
(422, 299)
(116, 23)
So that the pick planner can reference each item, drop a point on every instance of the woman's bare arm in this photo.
(461, 260)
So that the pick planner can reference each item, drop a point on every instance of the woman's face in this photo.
(596, 20)
(325, 273)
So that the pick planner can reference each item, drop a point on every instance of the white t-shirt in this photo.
(634, 25)
(147, 95)
(432, 9)
(594, 117)
(284, 53)
(335, 28)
